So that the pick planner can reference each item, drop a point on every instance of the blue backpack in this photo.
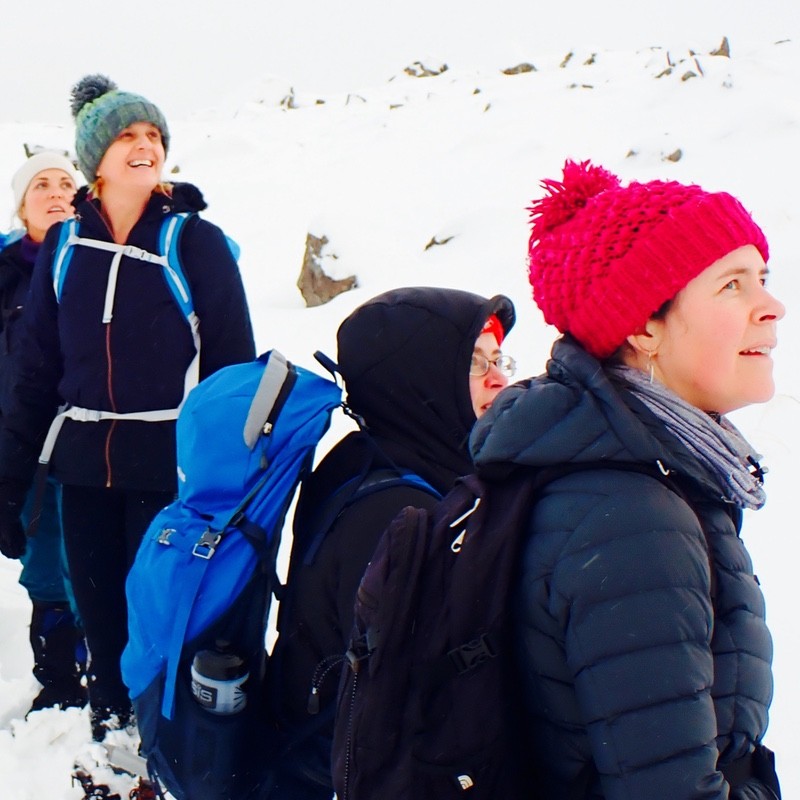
(199, 591)
(9, 238)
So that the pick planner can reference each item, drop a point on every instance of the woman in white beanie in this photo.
(43, 189)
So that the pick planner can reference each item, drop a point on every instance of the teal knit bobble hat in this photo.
(101, 113)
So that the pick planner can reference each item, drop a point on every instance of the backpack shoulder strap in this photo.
(67, 237)
(365, 482)
(168, 257)
(509, 502)
(14, 235)
(169, 240)
(169, 245)
(390, 478)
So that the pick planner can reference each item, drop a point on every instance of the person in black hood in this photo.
(419, 365)
(104, 333)
(639, 627)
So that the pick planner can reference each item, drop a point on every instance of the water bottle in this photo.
(218, 677)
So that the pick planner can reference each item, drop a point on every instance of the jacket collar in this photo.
(185, 198)
(576, 414)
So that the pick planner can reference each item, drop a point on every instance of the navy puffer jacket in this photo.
(137, 362)
(636, 684)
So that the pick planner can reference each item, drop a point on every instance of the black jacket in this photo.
(136, 362)
(405, 359)
(16, 268)
(636, 682)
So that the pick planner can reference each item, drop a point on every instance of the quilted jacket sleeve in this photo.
(37, 368)
(618, 621)
(225, 328)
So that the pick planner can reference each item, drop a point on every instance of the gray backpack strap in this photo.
(259, 419)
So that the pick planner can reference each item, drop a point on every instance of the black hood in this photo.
(405, 357)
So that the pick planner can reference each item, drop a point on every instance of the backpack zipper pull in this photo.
(458, 542)
(313, 701)
(320, 673)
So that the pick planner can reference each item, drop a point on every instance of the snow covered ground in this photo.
(387, 162)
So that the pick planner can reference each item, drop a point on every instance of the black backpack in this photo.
(423, 711)
(371, 472)
(430, 707)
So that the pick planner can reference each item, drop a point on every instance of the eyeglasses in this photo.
(479, 365)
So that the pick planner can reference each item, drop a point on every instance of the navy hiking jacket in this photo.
(16, 268)
(137, 362)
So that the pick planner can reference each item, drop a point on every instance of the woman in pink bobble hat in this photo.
(642, 645)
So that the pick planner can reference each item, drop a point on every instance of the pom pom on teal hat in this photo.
(101, 113)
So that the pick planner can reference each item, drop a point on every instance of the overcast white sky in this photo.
(187, 54)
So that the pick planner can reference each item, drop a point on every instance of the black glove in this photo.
(12, 535)
(754, 789)
(763, 785)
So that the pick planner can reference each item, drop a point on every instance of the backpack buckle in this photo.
(206, 545)
(132, 251)
(165, 535)
(469, 655)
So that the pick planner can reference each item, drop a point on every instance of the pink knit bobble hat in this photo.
(603, 257)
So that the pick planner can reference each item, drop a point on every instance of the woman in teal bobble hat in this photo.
(108, 338)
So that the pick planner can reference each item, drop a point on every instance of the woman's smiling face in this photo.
(135, 158)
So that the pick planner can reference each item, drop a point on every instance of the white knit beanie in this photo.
(36, 164)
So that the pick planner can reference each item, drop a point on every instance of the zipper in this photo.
(109, 368)
(109, 362)
(99, 216)
(348, 749)
(110, 390)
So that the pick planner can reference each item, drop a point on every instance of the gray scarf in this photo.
(717, 444)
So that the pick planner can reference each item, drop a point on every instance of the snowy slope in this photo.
(382, 169)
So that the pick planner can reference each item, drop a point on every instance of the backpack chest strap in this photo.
(179, 289)
(119, 250)
(91, 415)
(192, 376)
